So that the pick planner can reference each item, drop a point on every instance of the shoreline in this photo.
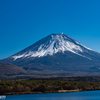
(58, 91)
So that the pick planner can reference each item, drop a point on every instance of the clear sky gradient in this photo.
(23, 22)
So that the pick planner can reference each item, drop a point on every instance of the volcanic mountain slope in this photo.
(56, 53)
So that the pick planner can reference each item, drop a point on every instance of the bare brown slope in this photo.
(10, 69)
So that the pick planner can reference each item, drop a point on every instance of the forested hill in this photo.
(45, 86)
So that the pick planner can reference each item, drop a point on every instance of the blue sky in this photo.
(23, 22)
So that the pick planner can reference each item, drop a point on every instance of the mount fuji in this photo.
(57, 54)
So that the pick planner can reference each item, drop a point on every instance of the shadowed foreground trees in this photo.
(44, 86)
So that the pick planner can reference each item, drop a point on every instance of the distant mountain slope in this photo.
(10, 69)
(56, 54)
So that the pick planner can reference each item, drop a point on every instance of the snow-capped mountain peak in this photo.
(53, 44)
(57, 54)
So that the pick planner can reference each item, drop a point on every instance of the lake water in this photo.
(87, 95)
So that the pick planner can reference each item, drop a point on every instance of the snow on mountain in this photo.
(53, 44)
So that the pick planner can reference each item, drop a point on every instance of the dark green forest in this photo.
(44, 86)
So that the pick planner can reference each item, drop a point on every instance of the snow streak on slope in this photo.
(52, 44)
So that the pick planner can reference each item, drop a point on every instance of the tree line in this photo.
(44, 86)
